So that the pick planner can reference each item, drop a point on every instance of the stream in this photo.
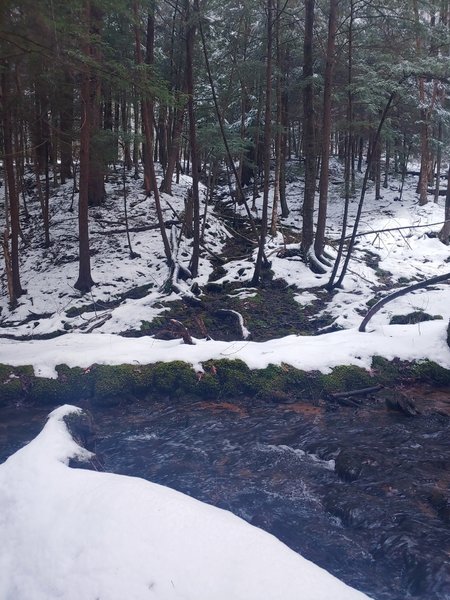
(363, 492)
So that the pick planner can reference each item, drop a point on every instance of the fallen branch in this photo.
(134, 229)
(396, 229)
(361, 392)
(411, 288)
(179, 328)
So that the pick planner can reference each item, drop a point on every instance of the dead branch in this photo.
(375, 231)
(411, 288)
(179, 328)
(361, 392)
(133, 229)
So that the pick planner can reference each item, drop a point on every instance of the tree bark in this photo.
(267, 145)
(84, 281)
(309, 134)
(12, 259)
(190, 37)
(326, 131)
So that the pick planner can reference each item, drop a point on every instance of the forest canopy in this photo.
(231, 91)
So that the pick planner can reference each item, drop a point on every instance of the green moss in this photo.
(413, 318)
(234, 377)
(388, 372)
(270, 381)
(5, 372)
(24, 371)
(10, 391)
(346, 378)
(45, 391)
(175, 378)
(112, 383)
(75, 383)
(431, 372)
(208, 386)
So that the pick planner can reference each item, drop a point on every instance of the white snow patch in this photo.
(349, 347)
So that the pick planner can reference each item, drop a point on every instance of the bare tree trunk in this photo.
(438, 162)
(84, 281)
(147, 124)
(267, 145)
(326, 131)
(190, 37)
(166, 185)
(276, 187)
(444, 234)
(96, 183)
(11, 259)
(309, 134)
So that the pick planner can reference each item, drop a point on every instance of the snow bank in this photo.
(80, 535)
(406, 342)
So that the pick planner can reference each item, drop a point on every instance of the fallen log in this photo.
(411, 288)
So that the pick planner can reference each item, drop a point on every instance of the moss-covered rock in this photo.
(431, 372)
(346, 378)
(388, 372)
(413, 318)
(271, 382)
(234, 377)
(10, 390)
(46, 392)
(76, 383)
(112, 383)
(174, 379)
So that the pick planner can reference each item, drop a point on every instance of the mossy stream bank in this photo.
(105, 385)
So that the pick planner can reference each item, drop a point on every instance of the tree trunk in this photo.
(96, 183)
(66, 127)
(190, 36)
(267, 146)
(11, 259)
(309, 134)
(84, 281)
(326, 131)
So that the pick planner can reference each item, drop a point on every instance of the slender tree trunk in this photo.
(84, 281)
(331, 283)
(444, 234)
(166, 185)
(363, 192)
(326, 131)
(438, 162)
(309, 134)
(12, 258)
(267, 145)
(276, 187)
(96, 183)
(284, 135)
(124, 113)
(190, 37)
(387, 164)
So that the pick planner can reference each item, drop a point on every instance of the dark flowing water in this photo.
(362, 492)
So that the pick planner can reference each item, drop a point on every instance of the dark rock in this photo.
(348, 465)
(355, 509)
(395, 400)
(82, 429)
(441, 502)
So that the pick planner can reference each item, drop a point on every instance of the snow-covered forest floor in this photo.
(130, 293)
